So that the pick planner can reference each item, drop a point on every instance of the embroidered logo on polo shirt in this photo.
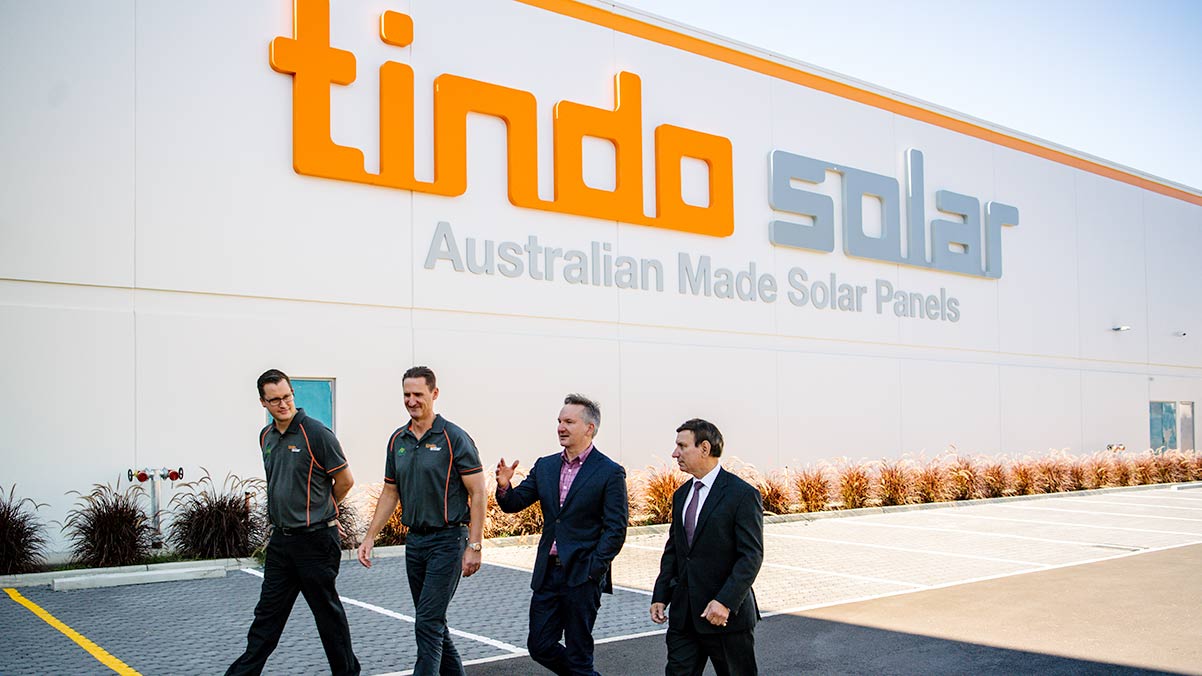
(434, 447)
(400, 450)
(294, 449)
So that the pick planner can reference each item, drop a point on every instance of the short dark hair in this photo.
(592, 410)
(424, 372)
(271, 377)
(704, 430)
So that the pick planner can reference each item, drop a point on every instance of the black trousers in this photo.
(557, 610)
(299, 564)
(730, 652)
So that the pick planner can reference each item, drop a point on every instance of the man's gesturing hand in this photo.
(505, 473)
(716, 614)
(658, 615)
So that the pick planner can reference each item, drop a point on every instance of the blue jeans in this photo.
(434, 564)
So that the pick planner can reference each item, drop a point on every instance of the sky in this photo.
(1117, 79)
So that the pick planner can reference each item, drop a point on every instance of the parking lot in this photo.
(878, 577)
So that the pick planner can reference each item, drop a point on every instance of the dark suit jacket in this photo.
(589, 530)
(728, 548)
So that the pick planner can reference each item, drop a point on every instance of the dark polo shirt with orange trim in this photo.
(428, 473)
(299, 465)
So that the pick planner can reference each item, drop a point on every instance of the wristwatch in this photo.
(475, 546)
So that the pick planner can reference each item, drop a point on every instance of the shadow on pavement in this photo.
(789, 645)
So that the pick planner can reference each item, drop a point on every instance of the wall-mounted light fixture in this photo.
(1122, 327)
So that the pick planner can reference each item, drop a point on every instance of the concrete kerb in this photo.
(47, 578)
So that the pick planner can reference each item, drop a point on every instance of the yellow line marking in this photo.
(94, 650)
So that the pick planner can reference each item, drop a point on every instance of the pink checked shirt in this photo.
(568, 470)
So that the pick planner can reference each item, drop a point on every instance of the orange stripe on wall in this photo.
(730, 55)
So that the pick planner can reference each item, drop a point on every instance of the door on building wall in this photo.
(316, 396)
(1171, 425)
(1185, 412)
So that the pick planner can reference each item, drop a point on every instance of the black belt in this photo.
(307, 529)
(430, 530)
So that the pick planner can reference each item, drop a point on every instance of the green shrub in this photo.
(22, 537)
(108, 527)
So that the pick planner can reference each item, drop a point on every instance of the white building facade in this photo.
(537, 197)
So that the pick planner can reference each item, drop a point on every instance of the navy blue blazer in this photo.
(589, 530)
(723, 561)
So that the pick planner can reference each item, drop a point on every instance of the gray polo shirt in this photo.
(299, 465)
(428, 473)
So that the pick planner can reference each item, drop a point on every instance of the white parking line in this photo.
(408, 618)
(1078, 511)
(961, 531)
(932, 552)
(817, 571)
(1091, 501)
(849, 576)
(1069, 524)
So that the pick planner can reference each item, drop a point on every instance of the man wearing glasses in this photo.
(307, 476)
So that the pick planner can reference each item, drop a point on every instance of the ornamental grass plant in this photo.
(1143, 469)
(855, 483)
(22, 537)
(931, 481)
(965, 477)
(108, 527)
(1098, 472)
(775, 493)
(216, 522)
(1122, 469)
(499, 524)
(1023, 476)
(894, 481)
(656, 485)
(813, 488)
(995, 478)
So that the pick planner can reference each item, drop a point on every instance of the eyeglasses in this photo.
(286, 399)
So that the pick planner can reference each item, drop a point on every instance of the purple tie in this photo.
(690, 513)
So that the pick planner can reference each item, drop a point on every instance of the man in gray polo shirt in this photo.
(307, 476)
(433, 469)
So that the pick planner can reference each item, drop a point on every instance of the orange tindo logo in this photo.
(315, 66)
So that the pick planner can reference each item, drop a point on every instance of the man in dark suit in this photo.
(583, 497)
(714, 551)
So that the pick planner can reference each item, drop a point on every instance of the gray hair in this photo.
(592, 410)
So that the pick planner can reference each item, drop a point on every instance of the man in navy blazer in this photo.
(583, 497)
(713, 555)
